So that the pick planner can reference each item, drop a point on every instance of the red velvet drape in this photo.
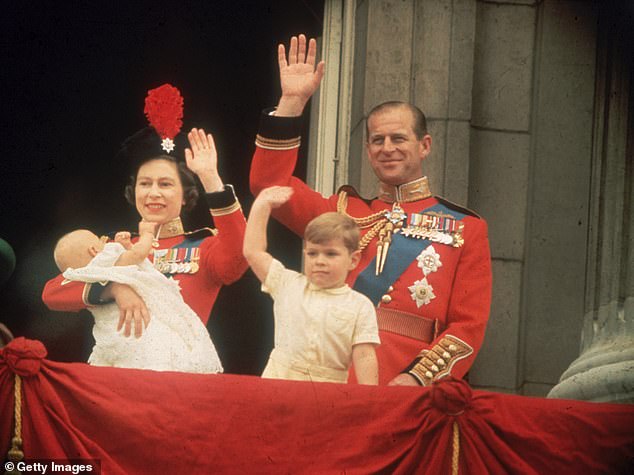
(145, 422)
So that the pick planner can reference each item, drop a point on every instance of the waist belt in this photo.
(407, 324)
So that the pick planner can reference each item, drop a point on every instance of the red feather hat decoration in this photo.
(164, 112)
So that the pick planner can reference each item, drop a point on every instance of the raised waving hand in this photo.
(299, 75)
(202, 159)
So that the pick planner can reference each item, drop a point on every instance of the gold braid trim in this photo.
(437, 362)
(455, 456)
(277, 144)
(375, 221)
(226, 210)
(15, 453)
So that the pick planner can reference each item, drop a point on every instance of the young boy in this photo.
(176, 339)
(321, 325)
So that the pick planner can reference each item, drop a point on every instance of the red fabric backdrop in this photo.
(144, 422)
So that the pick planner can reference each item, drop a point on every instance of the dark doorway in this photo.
(74, 78)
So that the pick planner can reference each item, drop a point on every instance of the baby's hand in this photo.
(147, 227)
(123, 238)
(275, 196)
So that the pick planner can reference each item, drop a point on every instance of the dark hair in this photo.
(188, 181)
(419, 123)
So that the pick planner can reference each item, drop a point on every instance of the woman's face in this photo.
(158, 191)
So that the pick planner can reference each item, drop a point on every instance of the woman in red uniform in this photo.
(201, 261)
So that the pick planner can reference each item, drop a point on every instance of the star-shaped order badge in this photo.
(167, 144)
(422, 292)
(429, 260)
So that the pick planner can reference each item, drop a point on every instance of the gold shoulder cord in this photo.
(382, 223)
(374, 221)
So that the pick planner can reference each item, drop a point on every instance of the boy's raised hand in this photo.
(275, 196)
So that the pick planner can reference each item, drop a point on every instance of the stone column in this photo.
(605, 369)
(499, 174)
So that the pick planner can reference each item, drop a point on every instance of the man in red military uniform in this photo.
(425, 262)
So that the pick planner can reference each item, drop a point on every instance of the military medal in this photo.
(194, 258)
(181, 255)
(187, 266)
(159, 259)
(155, 239)
(436, 227)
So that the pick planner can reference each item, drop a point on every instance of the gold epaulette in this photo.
(437, 361)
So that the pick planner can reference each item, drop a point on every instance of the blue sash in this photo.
(186, 243)
(402, 252)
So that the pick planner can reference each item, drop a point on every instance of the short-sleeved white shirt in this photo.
(316, 326)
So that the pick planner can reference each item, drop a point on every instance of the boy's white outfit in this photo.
(175, 339)
(315, 328)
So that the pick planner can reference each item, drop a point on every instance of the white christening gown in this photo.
(174, 340)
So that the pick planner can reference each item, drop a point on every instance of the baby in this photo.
(175, 339)
(321, 324)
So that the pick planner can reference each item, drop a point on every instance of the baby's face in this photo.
(96, 243)
(77, 249)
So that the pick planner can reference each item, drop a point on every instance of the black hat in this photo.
(164, 111)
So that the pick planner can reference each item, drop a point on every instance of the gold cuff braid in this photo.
(277, 144)
(438, 361)
(227, 210)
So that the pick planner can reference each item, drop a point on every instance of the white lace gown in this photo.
(175, 339)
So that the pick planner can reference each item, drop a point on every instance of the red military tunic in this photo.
(433, 298)
(215, 255)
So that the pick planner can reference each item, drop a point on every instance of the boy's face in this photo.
(327, 264)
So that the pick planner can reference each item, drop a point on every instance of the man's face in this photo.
(394, 152)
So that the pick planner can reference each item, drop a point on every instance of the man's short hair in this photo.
(419, 124)
(332, 225)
